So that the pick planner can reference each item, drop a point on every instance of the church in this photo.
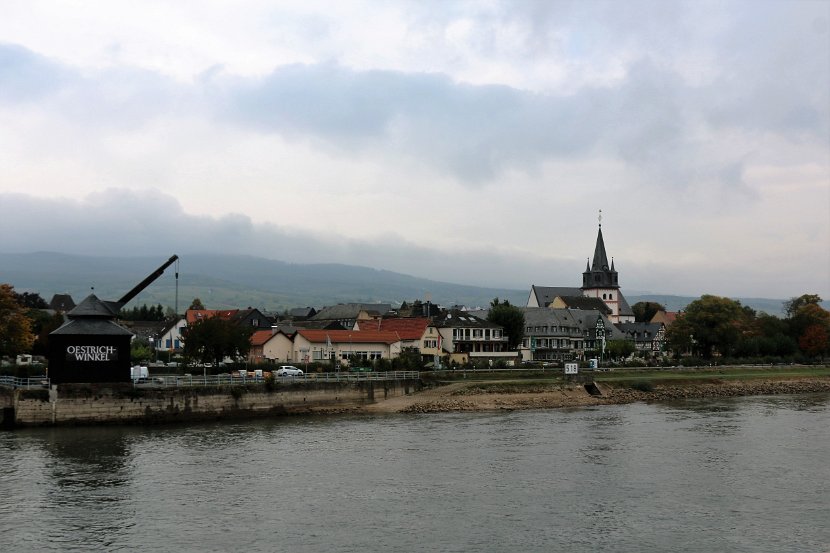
(599, 281)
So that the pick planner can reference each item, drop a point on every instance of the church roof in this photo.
(600, 262)
(546, 294)
(584, 302)
(600, 274)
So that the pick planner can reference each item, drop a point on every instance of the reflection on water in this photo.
(744, 474)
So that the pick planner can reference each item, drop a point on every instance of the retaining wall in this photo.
(79, 404)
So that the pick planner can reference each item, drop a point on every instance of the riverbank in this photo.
(495, 396)
(493, 391)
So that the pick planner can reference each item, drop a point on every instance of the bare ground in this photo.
(467, 397)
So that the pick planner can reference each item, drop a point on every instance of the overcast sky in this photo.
(471, 142)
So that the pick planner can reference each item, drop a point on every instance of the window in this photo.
(477, 333)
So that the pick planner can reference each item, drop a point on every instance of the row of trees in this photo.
(144, 313)
(715, 325)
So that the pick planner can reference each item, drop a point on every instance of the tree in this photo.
(211, 339)
(44, 324)
(31, 300)
(16, 334)
(197, 304)
(511, 318)
(810, 326)
(815, 341)
(644, 311)
(792, 306)
(714, 324)
(807, 315)
(140, 350)
(620, 349)
(142, 313)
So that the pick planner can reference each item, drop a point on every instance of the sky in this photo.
(469, 142)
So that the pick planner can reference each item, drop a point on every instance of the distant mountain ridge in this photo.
(231, 281)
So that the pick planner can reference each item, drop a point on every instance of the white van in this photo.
(139, 373)
(289, 370)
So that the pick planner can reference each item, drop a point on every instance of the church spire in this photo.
(600, 262)
(599, 274)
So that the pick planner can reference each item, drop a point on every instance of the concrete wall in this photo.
(123, 404)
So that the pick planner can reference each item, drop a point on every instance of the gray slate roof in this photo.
(350, 311)
(582, 302)
(584, 319)
(91, 306)
(625, 309)
(462, 319)
(546, 294)
(639, 329)
(92, 327)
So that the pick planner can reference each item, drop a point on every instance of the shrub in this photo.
(642, 386)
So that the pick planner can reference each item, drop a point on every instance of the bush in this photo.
(642, 386)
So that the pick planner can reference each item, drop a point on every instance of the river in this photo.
(742, 474)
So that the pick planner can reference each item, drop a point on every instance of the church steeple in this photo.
(600, 275)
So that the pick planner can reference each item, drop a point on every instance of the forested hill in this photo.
(228, 281)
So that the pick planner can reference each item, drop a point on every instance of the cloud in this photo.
(654, 117)
(123, 222)
(28, 77)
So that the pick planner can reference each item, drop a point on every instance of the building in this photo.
(347, 314)
(554, 334)
(417, 333)
(343, 345)
(170, 338)
(466, 337)
(600, 280)
(648, 338)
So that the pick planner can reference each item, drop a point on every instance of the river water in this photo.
(743, 474)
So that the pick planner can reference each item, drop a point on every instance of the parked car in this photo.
(288, 370)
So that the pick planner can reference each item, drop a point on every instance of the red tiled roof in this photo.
(260, 337)
(406, 328)
(194, 315)
(348, 336)
(665, 317)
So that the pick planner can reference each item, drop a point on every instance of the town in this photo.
(592, 325)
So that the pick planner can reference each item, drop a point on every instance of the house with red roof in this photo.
(415, 332)
(258, 339)
(340, 345)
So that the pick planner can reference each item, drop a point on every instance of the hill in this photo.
(231, 281)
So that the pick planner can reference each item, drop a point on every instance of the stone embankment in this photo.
(721, 389)
(507, 397)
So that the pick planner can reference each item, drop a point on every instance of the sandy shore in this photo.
(469, 397)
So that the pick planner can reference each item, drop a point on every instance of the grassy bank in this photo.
(528, 379)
